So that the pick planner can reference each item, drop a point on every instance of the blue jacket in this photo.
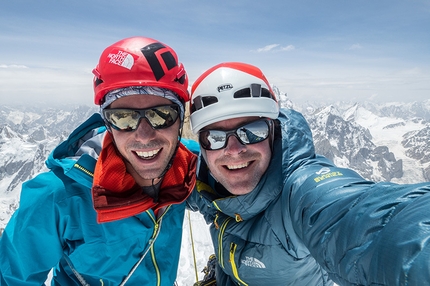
(56, 227)
(309, 222)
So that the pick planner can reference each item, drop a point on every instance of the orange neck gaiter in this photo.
(116, 194)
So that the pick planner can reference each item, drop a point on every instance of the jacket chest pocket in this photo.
(232, 260)
(226, 252)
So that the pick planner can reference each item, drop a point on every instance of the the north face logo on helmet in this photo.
(121, 58)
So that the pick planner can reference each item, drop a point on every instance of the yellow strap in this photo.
(192, 246)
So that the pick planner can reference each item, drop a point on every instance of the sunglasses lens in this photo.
(212, 139)
(162, 116)
(251, 133)
(128, 119)
(254, 132)
(122, 119)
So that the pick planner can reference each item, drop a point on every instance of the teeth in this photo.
(233, 167)
(147, 155)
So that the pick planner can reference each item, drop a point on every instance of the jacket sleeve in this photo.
(360, 232)
(191, 145)
(30, 245)
(364, 233)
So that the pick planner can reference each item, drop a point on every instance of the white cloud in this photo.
(13, 67)
(288, 48)
(355, 47)
(275, 48)
(267, 48)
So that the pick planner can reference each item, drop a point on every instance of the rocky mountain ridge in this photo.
(381, 142)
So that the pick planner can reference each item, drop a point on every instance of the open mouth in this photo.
(237, 166)
(147, 155)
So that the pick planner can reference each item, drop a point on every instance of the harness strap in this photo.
(150, 245)
(77, 274)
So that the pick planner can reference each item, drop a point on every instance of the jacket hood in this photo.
(82, 147)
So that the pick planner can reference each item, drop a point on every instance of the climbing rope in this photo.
(192, 246)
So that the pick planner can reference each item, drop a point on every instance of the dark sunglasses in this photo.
(249, 133)
(125, 119)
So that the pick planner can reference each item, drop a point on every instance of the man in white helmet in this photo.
(281, 214)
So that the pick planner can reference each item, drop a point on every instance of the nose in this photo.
(234, 146)
(144, 130)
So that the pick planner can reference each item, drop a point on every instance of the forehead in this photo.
(231, 123)
(139, 101)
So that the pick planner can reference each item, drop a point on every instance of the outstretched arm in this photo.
(363, 233)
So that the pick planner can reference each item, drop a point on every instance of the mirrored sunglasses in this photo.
(250, 133)
(158, 117)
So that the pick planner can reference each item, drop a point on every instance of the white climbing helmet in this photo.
(231, 90)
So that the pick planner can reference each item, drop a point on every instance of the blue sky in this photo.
(324, 51)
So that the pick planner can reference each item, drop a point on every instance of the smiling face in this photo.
(146, 151)
(238, 167)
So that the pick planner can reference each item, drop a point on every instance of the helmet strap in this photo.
(173, 155)
(272, 133)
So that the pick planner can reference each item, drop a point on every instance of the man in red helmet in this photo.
(281, 214)
(110, 210)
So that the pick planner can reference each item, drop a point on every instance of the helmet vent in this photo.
(245, 92)
(97, 82)
(266, 93)
(201, 101)
(254, 91)
(181, 80)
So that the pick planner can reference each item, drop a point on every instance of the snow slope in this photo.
(384, 134)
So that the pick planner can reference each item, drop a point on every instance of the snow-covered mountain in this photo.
(381, 142)
(27, 136)
(388, 142)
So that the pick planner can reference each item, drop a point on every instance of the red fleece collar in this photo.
(116, 194)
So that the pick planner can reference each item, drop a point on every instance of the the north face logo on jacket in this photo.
(253, 262)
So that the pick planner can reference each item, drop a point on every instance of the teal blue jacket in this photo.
(56, 227)
(309, 222)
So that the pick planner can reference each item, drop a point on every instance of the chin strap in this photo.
(173, 155)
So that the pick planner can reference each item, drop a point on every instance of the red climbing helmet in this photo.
(139, 61)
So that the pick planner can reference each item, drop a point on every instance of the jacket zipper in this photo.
(154, 261)
(150, 248)
(86, 171)
(154, 234)
(220, 236)
(233, 264)
(157, 229)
